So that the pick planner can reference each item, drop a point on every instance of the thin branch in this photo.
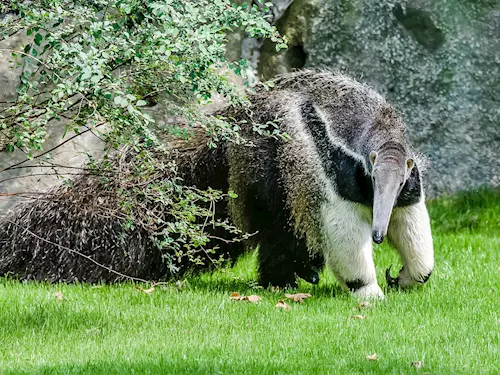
(52, 165)
(32, 57)
(50, 174)
(50, 150)
(24, 193)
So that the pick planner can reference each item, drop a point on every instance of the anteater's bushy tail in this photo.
(61, 236)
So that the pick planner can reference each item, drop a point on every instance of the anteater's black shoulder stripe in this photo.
(347, 172)
(411, 191)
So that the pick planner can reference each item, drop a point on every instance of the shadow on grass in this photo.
(218, 365)
(218, 283)
(321, 290)
(227, 283)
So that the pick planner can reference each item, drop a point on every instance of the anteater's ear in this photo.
(409, 164)
(373, 157)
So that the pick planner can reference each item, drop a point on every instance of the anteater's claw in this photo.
(391, 281)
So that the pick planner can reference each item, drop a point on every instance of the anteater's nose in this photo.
(378, 237)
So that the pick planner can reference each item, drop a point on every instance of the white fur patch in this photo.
(370, 291)
(346, 230)
(410, 233)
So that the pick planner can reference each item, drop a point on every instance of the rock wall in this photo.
(437, 61)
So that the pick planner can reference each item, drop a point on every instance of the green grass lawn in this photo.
(452, 324)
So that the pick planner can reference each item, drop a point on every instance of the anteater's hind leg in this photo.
(410, 233)
(262, 206)
(277, 263)
(349, 252)
(282, 255)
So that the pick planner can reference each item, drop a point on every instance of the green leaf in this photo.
(281, 46)
(38, 39)
(27, 48)
(141, 103)
(9, 147)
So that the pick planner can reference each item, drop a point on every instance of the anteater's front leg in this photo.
(410, 233)
(348, 252)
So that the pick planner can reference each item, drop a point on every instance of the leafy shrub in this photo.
(98, 64)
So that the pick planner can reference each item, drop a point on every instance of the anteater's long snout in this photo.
(385, 192)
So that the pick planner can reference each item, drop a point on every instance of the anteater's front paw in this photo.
(371, 291)
(406, 279)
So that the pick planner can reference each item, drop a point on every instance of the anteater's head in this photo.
(391, 167)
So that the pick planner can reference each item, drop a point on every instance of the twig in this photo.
(51, 174)
(52, 165)
(22, 193)
(52, 149)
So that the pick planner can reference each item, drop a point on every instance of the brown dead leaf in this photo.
(417, 364)
(372, 357)
(283, 305)
(358, 317)
(253, 298)
(298, 297)
(59, 296)
(363, 305)
(147, 291)
(235, 296)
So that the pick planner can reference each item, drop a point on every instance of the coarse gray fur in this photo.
(347, 167)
